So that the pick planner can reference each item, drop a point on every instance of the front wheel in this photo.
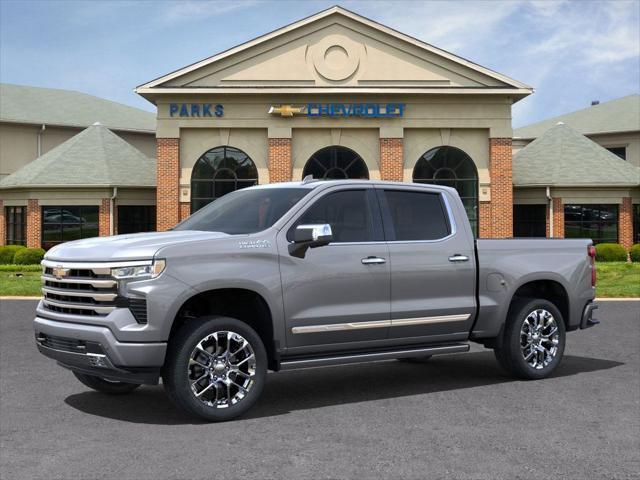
(110, 387)
(534, 340)
(216, 368)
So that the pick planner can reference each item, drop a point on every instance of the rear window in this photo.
(417, 215)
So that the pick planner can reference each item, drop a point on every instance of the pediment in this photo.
(335, 48)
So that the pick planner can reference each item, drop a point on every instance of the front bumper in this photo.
(94, 350)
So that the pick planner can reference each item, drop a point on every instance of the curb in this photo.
(9, 297)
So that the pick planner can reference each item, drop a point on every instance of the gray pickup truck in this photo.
(306, 274)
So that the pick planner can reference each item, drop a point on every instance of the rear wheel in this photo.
(111, 387)
(216, 368)
(534, 340)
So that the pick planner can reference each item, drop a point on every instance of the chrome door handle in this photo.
(458, 258)
(373, 260)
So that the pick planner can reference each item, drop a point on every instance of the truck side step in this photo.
(372, 356)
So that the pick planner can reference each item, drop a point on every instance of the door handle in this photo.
(373, 260)
(458, 258)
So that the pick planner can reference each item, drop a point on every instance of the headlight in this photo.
(139, 271)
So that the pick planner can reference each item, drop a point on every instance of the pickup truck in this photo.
(305, 274)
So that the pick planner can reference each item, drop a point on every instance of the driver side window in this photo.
(349, 212)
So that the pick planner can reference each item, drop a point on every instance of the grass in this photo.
(615, 279)
(618, 279)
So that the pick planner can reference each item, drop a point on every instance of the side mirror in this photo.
(310, 236)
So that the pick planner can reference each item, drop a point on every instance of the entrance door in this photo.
(338, 294)
(432, 266)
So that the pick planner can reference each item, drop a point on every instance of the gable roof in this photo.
(619, 115)
(564, 157)
(163, 83)
(95, 157)
(51, 106)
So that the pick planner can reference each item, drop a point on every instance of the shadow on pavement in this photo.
(320, 387)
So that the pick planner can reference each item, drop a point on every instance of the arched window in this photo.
(335, 163)
(219, 171)
(451, 167)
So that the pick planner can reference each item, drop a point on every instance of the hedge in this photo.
(29, 256)
(610, 252)
(634, 253)
(8, 252)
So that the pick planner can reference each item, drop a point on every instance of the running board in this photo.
(371, 356)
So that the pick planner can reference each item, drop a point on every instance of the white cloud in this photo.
(186, 10)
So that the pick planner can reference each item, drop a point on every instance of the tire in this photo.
(102, 385)
(423, 359)
(534, 340)
(210, 371)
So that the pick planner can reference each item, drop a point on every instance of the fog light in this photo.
(97, 360)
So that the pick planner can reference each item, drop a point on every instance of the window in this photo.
(16, 222)
(62, 224)
(619, 151)
(243, 212)
(336, 163)
(219, 171)
(451, 167)
(349, 214)
(530, 220)
(416, 216)
(598, 222)
(636, 223)
(136, 218)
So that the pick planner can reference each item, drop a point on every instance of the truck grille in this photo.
(87, 291)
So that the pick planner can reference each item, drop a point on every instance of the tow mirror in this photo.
(310, 236)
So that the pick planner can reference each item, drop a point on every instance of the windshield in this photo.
(244, 211)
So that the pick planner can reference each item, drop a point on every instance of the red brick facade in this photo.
(185, 210)
(391, 159)
(3, 223)
(34, 223)
(484, 220)
(279, 158)
(625, 223)
(103, 218)
(168, 178)
(501, 173)
(558, 218)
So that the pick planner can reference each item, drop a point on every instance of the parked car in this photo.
(304, 274)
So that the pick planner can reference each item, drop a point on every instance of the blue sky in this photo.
(572, 52)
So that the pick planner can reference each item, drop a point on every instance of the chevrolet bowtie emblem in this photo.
(286, 110)
(60, 272)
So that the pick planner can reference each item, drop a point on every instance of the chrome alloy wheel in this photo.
(221, 369)
(539, 338)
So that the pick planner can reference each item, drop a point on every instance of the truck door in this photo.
(432, 265)
(338, 294)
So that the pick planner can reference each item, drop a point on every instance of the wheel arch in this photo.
(547, 289)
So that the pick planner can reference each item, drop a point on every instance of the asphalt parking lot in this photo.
(458, 416)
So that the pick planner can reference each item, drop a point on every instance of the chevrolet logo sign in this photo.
(286, 110)
(60, 272)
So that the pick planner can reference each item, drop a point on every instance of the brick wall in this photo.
(391, 159)
(558, 218)
(34, 223)
(3, 223)
(185, 210)
(168, 178)
(279, 158)
(484, 220)
(103, 218)
(501, 173)
(625, 223)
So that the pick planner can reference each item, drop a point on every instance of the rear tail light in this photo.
(591, 251)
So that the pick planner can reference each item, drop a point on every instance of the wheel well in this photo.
(549, 290)
(244, 305)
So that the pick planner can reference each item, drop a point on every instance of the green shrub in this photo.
(8, 252)
(610, 252)
(29, 256)
(634, 253)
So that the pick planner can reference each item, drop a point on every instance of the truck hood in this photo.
(137, 246)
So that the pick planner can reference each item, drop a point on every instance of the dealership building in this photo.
(336, 95)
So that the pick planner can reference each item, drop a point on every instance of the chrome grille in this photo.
(77, 290)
